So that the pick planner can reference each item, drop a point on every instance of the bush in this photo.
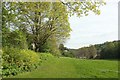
(16, 60)
(30, 59)
(45, 56)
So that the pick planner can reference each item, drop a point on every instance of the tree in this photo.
(92, 52)
(83, 52)
(62, 48)
(82, 8)
(11, 35)
(39, 21)
(109, 51)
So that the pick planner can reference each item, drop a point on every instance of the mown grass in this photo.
(73, 68)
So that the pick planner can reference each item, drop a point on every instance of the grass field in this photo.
(73, 68)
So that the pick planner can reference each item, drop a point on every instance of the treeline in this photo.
(107, 50)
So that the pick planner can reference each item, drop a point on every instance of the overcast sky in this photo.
(94, 29)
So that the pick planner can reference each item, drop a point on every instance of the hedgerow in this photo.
(16, 61)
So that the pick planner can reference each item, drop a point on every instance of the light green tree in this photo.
(40, 21)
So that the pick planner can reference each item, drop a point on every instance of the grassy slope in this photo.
(74, 68)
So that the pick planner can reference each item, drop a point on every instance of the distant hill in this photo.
(107, 50)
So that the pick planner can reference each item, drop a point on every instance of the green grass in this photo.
(73, 68)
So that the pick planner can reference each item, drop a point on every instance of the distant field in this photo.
(74, 68)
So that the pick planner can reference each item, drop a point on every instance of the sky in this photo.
(94, 29)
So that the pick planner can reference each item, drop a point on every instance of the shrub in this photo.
(16, 60)
(45, 56)
(30, 59)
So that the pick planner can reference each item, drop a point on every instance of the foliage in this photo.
(15, 39)
(39, 22)
(110, 50)
(16, 61)
(82, 8)
(51, 47)
(107, 50)
(61, 48)
(45, 56)
(86, 52)
(65, 51)
(68, 54)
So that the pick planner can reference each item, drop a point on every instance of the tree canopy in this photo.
(41, 22)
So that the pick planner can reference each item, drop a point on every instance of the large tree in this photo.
(40, 21)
